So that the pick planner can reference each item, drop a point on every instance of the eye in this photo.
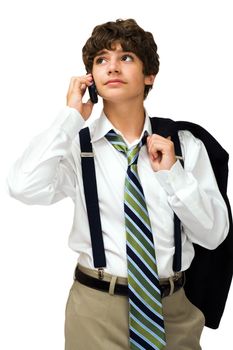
(127, 58)
(100, 60)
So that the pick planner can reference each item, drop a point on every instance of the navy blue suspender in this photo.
(92, 204)
(177, 224)
(91, 197)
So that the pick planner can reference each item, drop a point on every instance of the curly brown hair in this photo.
(131, 37)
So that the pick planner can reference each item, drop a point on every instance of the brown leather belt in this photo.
(167, 287)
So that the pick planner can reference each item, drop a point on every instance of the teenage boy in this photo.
(136, 301)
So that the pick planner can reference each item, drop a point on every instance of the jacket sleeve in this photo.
(45, 173)
(194, 196)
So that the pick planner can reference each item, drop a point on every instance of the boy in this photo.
(136, 301)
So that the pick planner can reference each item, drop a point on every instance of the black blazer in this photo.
(209, 277)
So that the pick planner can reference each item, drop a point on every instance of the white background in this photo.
(41, 44)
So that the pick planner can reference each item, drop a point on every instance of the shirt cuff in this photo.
(173, 180)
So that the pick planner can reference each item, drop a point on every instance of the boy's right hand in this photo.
(77, 88)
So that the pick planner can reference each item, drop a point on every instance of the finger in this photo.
(153, 149)
(77, 82)
(160, 141)
(155, 143)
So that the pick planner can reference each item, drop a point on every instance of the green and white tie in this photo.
(146, 324)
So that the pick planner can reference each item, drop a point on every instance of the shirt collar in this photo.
(103, 126)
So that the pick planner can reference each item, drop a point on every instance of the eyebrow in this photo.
(105, 51)
(102, 52)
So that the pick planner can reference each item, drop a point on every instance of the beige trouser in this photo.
(97, 320)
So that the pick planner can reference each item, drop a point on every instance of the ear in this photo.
(149, 79)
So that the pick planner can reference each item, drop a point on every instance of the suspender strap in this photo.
(167, 127)
(91, 197)
(177, 224)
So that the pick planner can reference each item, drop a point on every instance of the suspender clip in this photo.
(179, 157)
(101, 273)
(87, 154)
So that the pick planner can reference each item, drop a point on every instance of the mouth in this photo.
(114, 82)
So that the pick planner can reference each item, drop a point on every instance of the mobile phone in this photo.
(93, 93)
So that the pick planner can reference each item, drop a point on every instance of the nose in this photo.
(113, 66)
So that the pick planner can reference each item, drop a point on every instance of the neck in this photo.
(128, 119)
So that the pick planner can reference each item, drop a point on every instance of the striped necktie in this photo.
(146, 325)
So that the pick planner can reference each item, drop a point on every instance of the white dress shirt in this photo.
(50, 170)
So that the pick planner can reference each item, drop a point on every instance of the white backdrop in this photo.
(41, 42)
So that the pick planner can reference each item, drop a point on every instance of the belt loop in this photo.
(184, 278)
(112, 285)
(75, 272)
(171, 285)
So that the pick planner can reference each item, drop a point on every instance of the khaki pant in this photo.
(97, 320)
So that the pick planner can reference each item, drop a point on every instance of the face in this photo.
(118, 75)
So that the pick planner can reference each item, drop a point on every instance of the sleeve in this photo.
(45, 173)
(194, 196)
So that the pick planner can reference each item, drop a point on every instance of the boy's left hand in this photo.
(161, 152)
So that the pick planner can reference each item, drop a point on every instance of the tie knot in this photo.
(131, 153)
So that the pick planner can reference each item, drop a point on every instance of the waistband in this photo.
(100, 280)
